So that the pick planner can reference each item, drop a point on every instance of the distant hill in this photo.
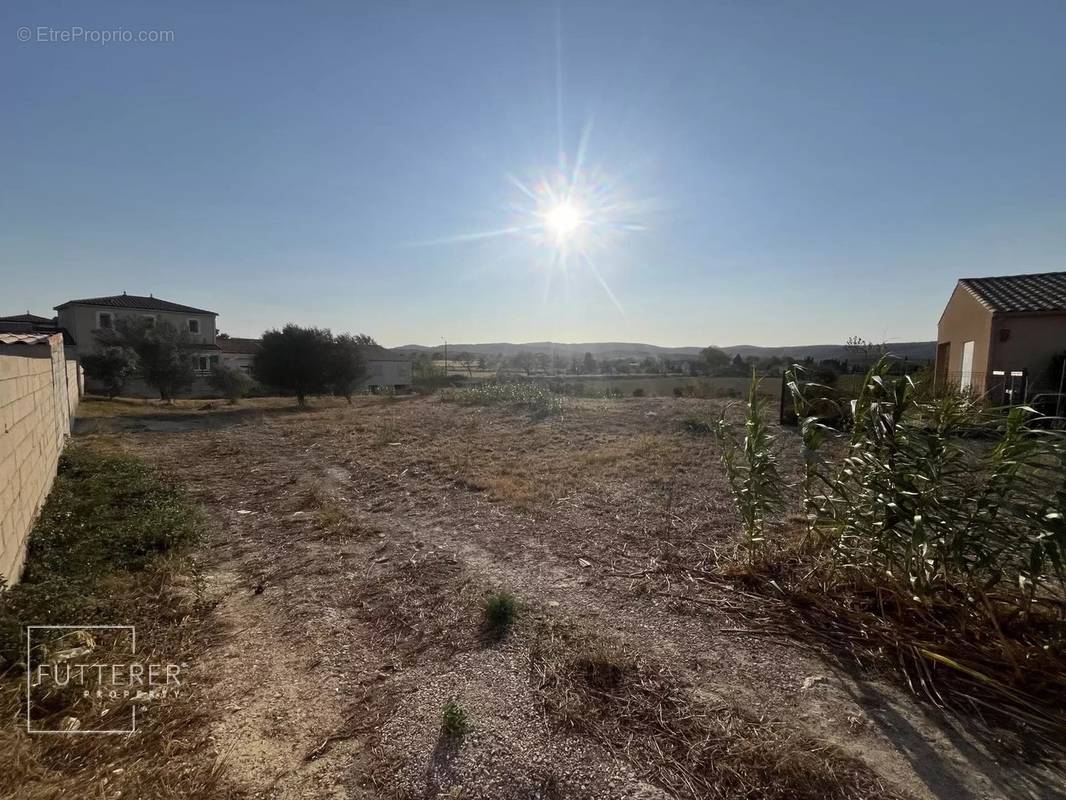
(914, 351)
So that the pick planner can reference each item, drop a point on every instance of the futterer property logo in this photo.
(93, 674)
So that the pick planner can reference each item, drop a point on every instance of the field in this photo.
(416, 598)
(650, 385)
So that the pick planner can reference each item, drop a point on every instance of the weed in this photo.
(500, 611)
(751, 466)
(455, 723)
(697, 426)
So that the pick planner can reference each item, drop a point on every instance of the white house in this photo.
(82, 318)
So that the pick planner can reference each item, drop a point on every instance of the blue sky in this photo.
(778, 172)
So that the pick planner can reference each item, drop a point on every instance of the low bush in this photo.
(500, 612)
(231, 382)
(539, 401)
(697, 426)
(455, 723)
(935, 532)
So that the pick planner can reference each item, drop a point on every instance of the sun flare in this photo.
(562, 219)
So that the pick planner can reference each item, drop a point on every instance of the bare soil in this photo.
(351, 549)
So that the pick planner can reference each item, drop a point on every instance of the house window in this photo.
(104, 320)
(194, 326)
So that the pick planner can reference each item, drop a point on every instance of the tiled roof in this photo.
(27, 317)
(1045, 291)
(25, 338)
(234, 344)
(136, 302)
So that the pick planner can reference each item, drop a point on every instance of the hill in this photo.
(914, 351)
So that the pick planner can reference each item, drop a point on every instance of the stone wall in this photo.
(39, 391)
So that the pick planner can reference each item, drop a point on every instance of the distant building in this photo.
(1001, 336)
(237, 352)
(384, 368)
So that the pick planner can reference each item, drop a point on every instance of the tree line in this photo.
(300, 361)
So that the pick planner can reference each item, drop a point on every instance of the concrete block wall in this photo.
(37, 401)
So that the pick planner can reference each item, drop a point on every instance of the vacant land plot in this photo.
(426, 599)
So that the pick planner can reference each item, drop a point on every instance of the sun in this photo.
(563, 219)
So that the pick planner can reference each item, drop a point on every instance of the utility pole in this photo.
(445, 356)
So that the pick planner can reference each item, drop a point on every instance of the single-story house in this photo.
(237, 352)
(384, 368)
(1001, 335)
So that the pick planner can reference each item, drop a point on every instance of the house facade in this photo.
(83, 319)
(1000, 336)
(385, 370)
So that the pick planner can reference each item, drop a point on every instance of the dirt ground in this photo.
(352, 547)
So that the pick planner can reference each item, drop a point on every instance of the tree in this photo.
(712, 359)
(523, 361)
(164, 361)
(589, 364)
(295, 359)
(231, 382)
(112, 366)
(347, 365)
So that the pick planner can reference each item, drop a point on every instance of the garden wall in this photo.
(39, 392)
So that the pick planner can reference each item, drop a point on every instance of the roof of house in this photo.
(136, 302)
(238, 346)
(33, 319)
(25, 338)
(1040, 292)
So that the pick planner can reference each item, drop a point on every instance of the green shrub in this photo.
(638, 392)
(500, 612)
(231, 382)
(454, 721)
(921, 501)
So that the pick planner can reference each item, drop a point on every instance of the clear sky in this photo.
(752, 172)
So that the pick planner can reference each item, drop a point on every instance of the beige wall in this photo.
(1030, 342)
(36, 404)
(964, 320)
(82, 320)
(386, 373)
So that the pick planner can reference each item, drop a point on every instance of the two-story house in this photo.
(83, 318)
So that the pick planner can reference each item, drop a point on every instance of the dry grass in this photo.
(170, 755)
(688, 745)
(1003, 675)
